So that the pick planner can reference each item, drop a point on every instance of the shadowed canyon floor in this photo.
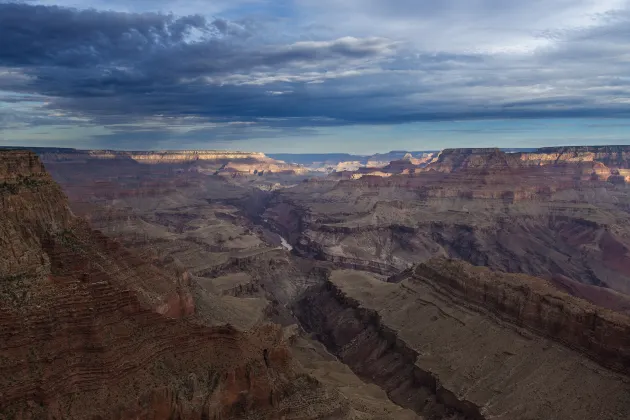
(190, 268)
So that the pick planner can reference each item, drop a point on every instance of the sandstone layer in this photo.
(206, 161)
(450, 339)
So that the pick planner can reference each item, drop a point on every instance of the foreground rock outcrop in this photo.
(81, 336)
(449, 339)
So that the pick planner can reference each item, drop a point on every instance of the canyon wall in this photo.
(532, 303)
(449, 340)
(89, 330)
(205, 161)
(597, 159)
(484, 206)
(176, 156)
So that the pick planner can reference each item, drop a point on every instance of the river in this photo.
(286, 244)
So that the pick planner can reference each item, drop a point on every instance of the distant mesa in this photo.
(600, 161)
(610, 163)
(217, 162)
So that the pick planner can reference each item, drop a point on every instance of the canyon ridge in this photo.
(455, 284)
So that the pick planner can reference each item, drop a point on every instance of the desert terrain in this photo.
(465, 284)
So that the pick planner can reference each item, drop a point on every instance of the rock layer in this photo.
(614, 158)
(535, 305)
(452, 340)
(564, 219)
(205, 161)
(150, 157)
(79, 337)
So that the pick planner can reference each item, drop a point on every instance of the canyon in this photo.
(483, 206)
(455, 340)
(464, 284)
(92, 330)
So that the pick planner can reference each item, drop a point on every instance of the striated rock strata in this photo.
(535, 305)
(568, 219)
(80, 339)
(175, 156)
(205, 161)
(452, 340)
(602, 160)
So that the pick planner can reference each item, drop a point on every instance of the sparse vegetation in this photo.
(14, 289)
(68, 239)
(14, 186)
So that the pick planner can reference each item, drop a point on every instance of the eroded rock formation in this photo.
(556, 219)
(453, 340)
(443, 339)
(204, 161)
(80, 336)
(604, 161)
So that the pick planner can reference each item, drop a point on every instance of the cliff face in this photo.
(605, 161)
(451, 160)
(81, 336)
(564, 219)
(612, 156)
(452, 341)
(535, 305)
(205, 161)
(18, 163)
(601, 159)
(32, 204)
(179, 156)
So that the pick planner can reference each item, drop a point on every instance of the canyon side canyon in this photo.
(462, 284)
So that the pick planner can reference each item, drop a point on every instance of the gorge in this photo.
(478, 284)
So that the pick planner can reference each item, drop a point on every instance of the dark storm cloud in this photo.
(50, 36)
(55, 36)
(117, 66)
(123, 69)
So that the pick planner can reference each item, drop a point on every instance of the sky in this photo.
(314, 76)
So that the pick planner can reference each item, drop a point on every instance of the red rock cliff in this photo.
(79, 338)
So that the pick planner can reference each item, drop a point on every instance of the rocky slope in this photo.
(80, 335)
(448, 339)
(544, 220)
(443, 340)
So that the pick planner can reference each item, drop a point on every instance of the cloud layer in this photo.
(251, 70)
